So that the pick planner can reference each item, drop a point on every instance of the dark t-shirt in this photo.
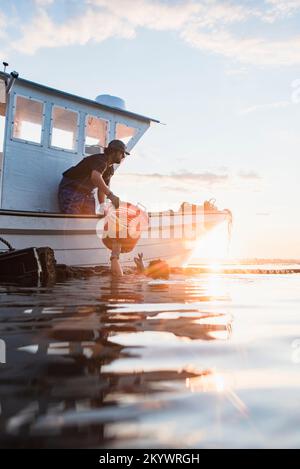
(80, 175)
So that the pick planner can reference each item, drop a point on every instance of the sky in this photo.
(222, 76)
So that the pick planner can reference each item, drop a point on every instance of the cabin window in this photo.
(2, 115)
(96, 131)
(125, 133)
(64, 128)
(28, 119)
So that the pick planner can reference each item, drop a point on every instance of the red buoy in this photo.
(124, 225)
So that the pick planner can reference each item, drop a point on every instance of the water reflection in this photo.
(88, 356)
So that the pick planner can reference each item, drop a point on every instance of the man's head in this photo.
(117, 150)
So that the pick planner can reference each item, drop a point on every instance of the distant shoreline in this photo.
(251, 261)
(193, 269)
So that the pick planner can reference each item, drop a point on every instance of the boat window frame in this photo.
(54, 147)
(13, 112)
(5, 122)
(108, 122)
(122, 121)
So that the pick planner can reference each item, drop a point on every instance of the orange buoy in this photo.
(124, 225)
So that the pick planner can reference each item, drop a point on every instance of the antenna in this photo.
(13, 76)
(5, 64)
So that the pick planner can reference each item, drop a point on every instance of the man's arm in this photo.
(100, 197)
(139, 262)
(98, 181)
(116, 268)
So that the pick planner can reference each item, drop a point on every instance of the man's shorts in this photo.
(73, 201)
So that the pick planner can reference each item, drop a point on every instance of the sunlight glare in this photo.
(212, 247)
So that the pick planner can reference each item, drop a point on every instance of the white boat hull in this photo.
(76, 240)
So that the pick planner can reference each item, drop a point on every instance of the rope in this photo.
(7, 244)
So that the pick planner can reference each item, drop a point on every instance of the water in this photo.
(199, 361)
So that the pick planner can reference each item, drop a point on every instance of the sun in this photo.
(212, 248)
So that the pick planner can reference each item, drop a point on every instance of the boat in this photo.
(45, 131)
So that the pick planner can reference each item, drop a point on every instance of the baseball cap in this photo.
(118, 145)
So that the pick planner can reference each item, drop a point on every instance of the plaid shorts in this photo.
(72, 201)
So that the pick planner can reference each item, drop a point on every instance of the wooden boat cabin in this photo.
(44, 131)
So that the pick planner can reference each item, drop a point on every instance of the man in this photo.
(157, 269)
(93, 172)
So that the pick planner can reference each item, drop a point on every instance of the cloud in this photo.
(206, 25)
(101, 20)
(280, 9)
(43, 3)
(238, 72)
(4, 53)
(3, 24)
(45, 32)
(251, 175)
(264, 107)
(177, 189)
(217, 13)
(186, 182)
(182, 178)
(151, 14)
(251, 50)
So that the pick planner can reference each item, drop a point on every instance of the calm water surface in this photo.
(202, 361)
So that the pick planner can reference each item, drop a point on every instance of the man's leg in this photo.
(70, 201)
(88, 206)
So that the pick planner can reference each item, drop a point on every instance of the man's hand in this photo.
(139, 263)
(114, 199)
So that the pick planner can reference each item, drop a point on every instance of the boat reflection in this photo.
(76, 363)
